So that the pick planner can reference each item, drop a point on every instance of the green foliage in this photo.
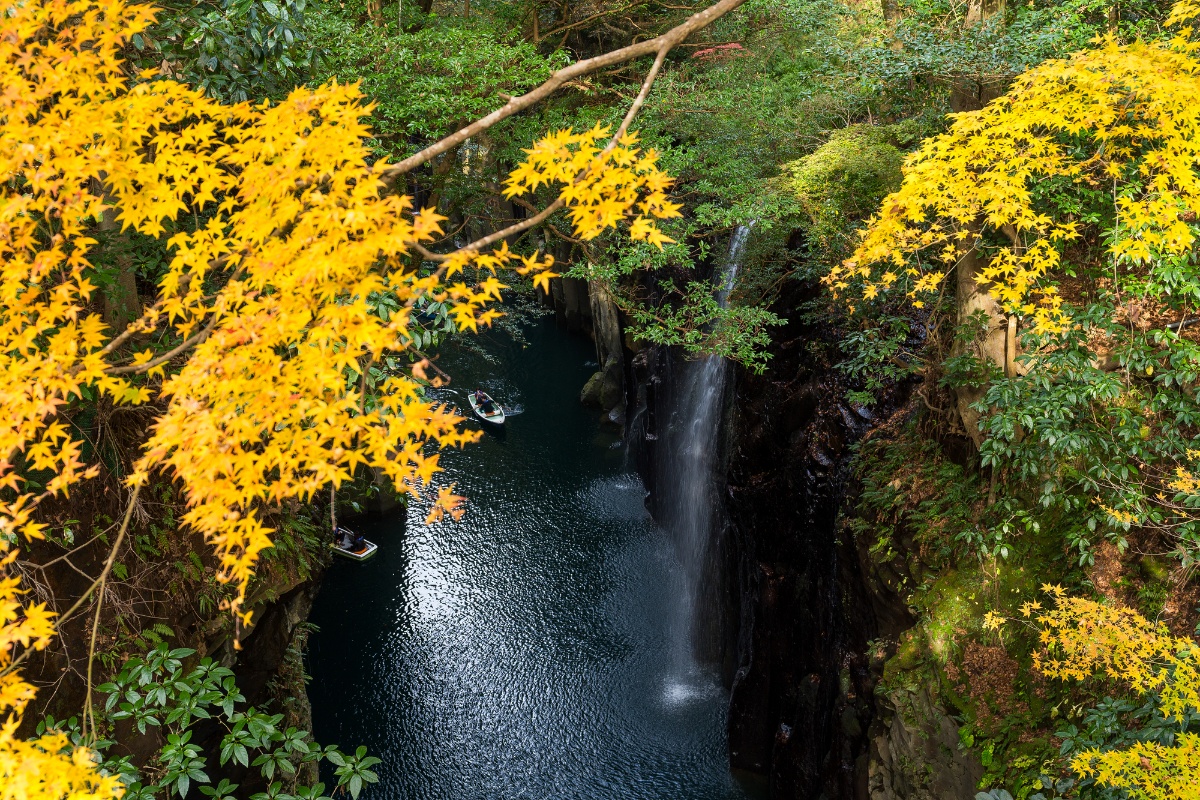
(912, 493)
(702, 326)
(1074, 431)
(428, 83)
(726, 122)
(157, 691)
(931, 50)
(879, 356)
(235, 49)
(1113, 724)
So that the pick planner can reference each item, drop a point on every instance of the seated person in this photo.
(485, 403)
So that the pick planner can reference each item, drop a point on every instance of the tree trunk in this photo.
(426, 7)
(981, 10)
(121, 302)
(972, 94)
(992, 345)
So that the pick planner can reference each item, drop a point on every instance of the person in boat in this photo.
(359, 544)
(485, 402)
(343, 538)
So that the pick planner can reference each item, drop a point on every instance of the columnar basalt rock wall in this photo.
(801, 701)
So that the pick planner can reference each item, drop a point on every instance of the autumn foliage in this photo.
(1085, 169)
(267, 300)
(1118, 118)
(1085, 639)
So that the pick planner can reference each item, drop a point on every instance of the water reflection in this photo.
(525, 651)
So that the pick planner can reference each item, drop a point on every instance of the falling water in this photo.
(689, 476)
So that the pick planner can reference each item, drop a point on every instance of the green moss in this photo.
(1155, 569)
(919, 511)
(844, 180)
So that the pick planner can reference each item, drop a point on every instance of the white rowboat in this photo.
(364, 552)
(495, 414)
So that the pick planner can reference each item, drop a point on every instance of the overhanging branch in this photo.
(659, 45)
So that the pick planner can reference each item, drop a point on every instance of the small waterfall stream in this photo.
(689, 485)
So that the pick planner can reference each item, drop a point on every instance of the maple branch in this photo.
(130, 330)
(426, 253)
(427, 361)
(192, 341)
(665, 43)
(545, 214)
(658, 45)
(136, 327)
(640, 100)
(492, 238)
(528, 206)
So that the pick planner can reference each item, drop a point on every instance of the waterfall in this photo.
(690, 477)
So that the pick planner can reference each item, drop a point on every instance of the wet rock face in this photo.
(604, 389)
(805, 599)
(915, 753)
(801, 702)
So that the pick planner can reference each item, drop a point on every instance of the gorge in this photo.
(559, 640)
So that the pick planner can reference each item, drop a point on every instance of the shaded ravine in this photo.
(526, 651)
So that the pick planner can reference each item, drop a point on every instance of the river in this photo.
(525, 651)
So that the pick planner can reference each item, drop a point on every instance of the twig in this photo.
(586, 20)
(429, 361)
(640, 100)
(492, 238)
(190, 342)
(71, 552)
(103, 581)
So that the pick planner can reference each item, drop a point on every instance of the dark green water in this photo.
(528, 651)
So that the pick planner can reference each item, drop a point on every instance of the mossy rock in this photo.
(1155, 569)
(846, 178)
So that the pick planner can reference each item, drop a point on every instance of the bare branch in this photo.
(640, 100)
(586, 20)
(132, 329)
(657, 45)
(531, 207)
(70, 612)
(426, 361)
(492, 238)
(102, 582)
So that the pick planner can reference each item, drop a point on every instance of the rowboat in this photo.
(488, 410)
(362, 553)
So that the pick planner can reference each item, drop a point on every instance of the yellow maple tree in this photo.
(266, 296)
(1085, 639)
(1120, 117)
